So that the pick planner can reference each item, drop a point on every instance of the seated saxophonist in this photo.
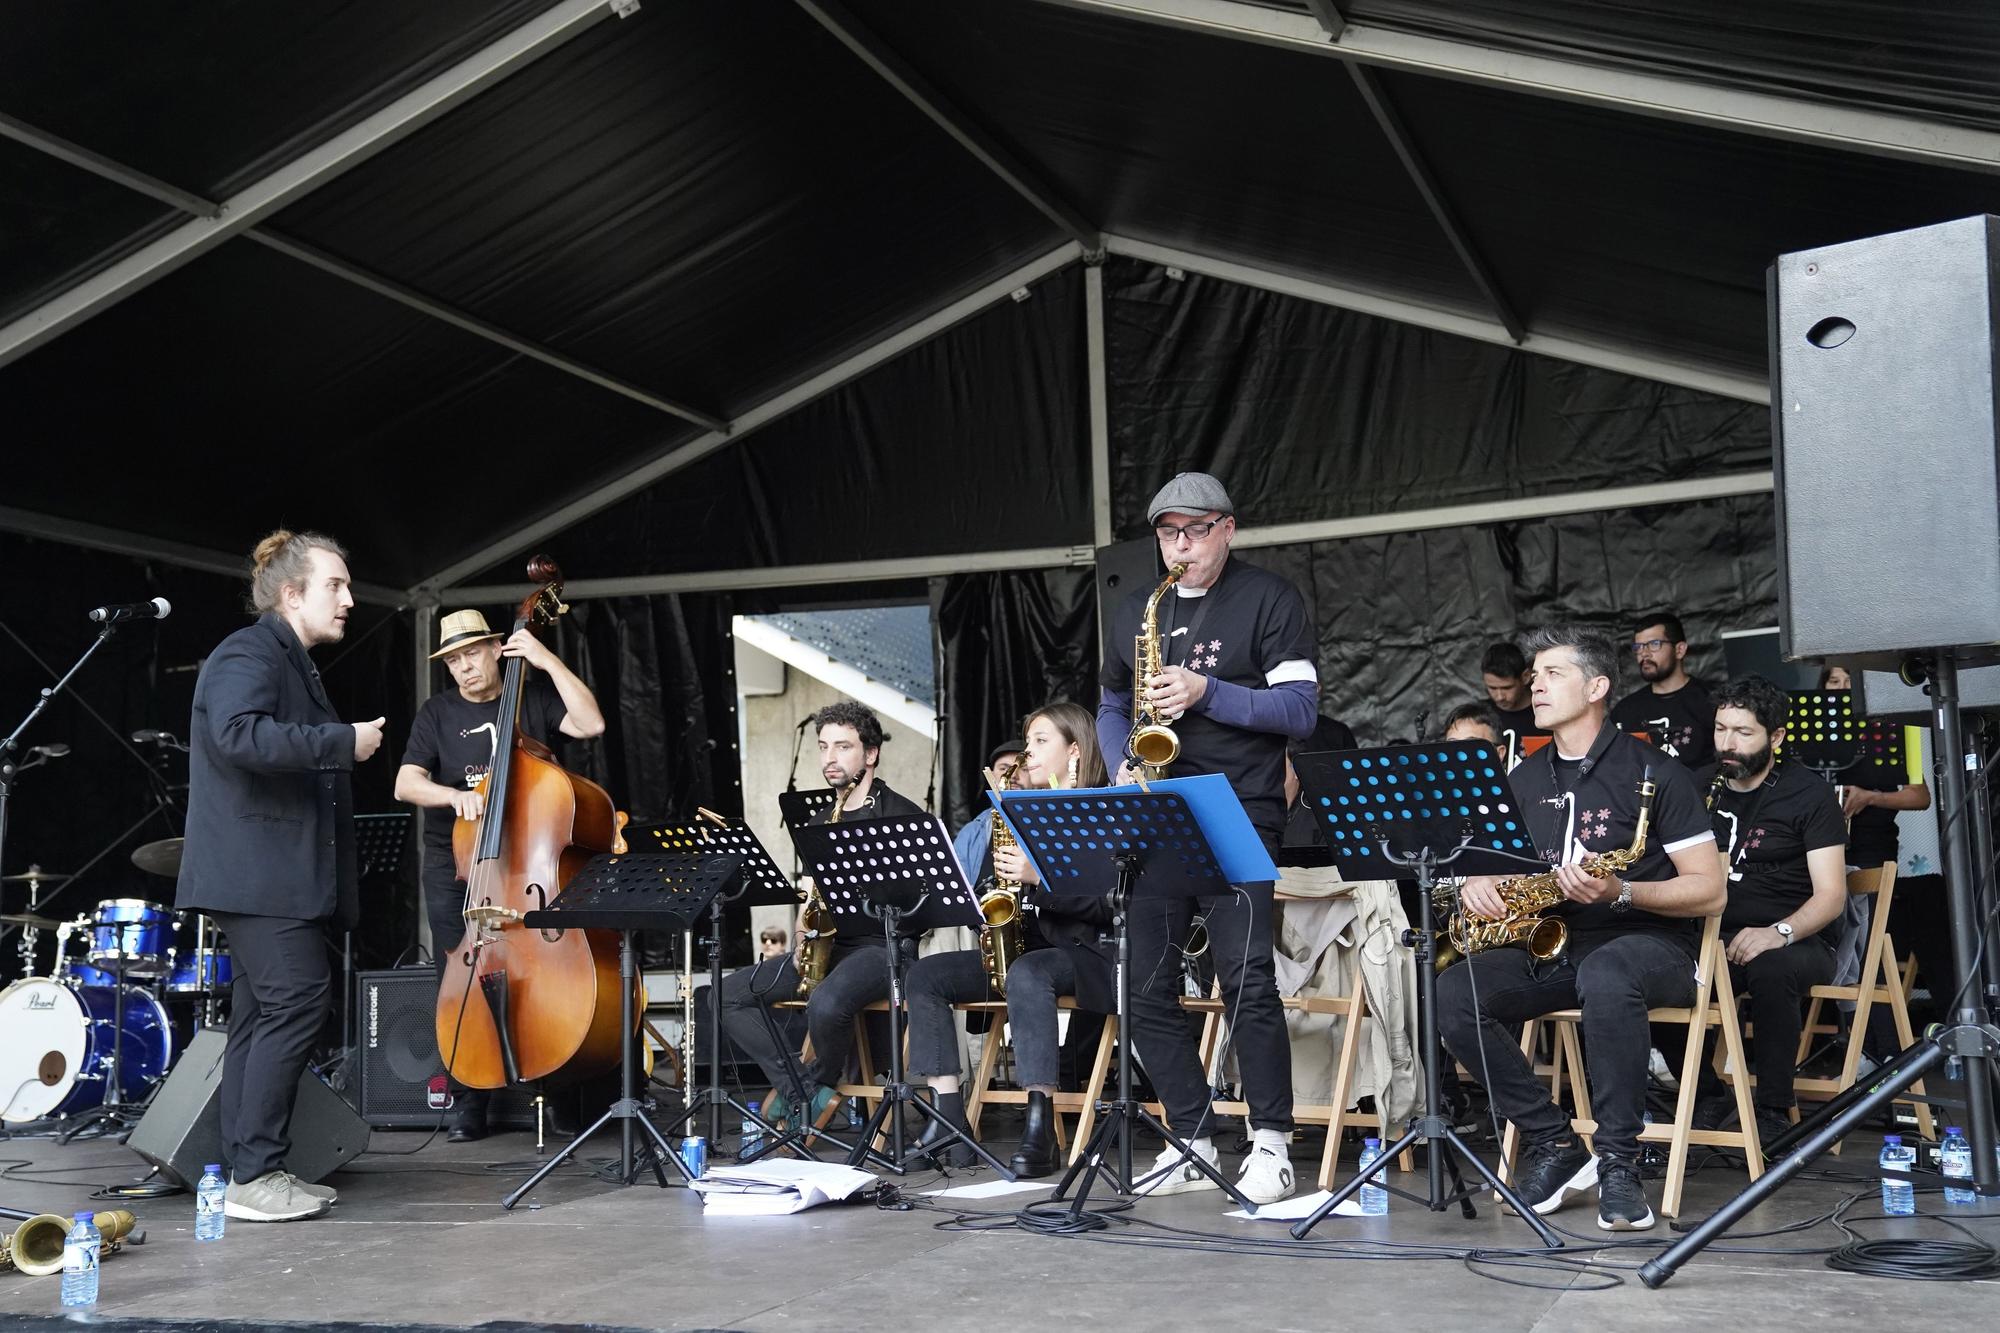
(850, 747)
(1632, 933)
(1061, 752)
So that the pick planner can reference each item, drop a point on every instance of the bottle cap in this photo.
(1371, 1143)
(1953, 1129)
(85, 1217)
(216, 1167)
(1888, 1139)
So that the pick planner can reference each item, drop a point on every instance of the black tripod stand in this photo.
(1970, 1036)
(1424, 776)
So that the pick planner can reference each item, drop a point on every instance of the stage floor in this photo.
(422, 1240)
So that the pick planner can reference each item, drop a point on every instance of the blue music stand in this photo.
(1415, 808)
(1182, 837)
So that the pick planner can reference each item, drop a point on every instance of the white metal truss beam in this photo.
(841, 676)
(95, 537)
(300, 177)
(685, 455)
(899, 74)
(1621, 88)
(105, 169)
(1100, 404)
(1625, 360)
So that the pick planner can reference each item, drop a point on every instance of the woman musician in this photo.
(1060, 956)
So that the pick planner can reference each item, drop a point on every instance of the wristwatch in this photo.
(1784, 929)
(1624, 899)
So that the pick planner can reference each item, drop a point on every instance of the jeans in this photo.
(1614, 982)
(282, 994)
(1034, 980)
(858, 978)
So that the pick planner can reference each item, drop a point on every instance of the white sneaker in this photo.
(1266, 1177)
(1173, 1173)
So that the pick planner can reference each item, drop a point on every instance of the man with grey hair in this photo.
(1237, 682)
(1632, 936)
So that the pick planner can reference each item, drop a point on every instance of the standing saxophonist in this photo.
(1632, 937)
(1234, 680)
(850, 747)
(1061, 752)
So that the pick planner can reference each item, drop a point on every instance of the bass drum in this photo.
(55, 1047)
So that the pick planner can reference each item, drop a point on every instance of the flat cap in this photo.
(1190, 493)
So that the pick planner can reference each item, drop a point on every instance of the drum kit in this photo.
(97, 1033)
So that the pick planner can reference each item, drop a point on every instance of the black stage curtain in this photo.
(1010, 642)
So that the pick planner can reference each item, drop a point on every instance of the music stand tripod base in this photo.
(1452, 795)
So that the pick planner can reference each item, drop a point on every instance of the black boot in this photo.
(1037, 1156)
(932, 1145)
(468, 1115)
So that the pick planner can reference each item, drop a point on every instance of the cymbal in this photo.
(34, 876)
(160, 858)
(28, 919)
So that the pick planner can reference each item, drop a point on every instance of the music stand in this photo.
(630, 893)
(1391, 810)
(800, 808)
(1181, 837)
(379, 841)
(759, 879)
(1824, 733)
(891, 870)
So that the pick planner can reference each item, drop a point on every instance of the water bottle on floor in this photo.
(208, 1203)
(81, 1250)
(1899, 1195)
(1955, 1160)
(1374, 1198)
(753, 1136)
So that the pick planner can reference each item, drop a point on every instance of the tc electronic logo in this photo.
(374, 1017)
(47, 1003)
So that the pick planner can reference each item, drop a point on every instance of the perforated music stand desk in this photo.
(1421, 807)
(1180, 837)
(379, 841)
(1824, 733)
(630, 892)
(894, 870)
(800, 808)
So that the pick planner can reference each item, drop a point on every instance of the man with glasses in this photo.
(1238, 682)
(1672, 708)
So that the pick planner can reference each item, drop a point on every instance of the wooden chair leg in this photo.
(1093, 1091)
(1510, 1138)
(982, 1077)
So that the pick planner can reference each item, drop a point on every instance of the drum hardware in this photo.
(28, 920)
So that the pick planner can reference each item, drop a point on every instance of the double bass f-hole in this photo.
(541, 905)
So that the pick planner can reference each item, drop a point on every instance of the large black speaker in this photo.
(400, 1073)
(1122, 569)
(182, 1129)
(1883, 412)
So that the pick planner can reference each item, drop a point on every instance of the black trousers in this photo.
(1035, 981)
(858, 978)
(1240, 942)
(1776, 981)
(282, 995)
(1614, 982)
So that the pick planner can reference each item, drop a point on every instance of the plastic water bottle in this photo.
(208, 1203)
(753, 1135)
(1374, 1198)
(1899, 1194)
(81, 1249)
(1955, 1159)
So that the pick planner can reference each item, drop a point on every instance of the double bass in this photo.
(518, 1004)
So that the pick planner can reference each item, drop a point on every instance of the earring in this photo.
(1072, 771)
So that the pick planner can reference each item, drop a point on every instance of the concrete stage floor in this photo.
(422, 1240)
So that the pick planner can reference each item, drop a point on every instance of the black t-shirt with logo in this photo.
(1765, 834)
(453, 739)
(1871, 836)
(1593, 803)
(1520, 721)
(1681, 724)
(1239, 630)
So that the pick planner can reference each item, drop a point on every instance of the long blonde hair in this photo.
(284, 560)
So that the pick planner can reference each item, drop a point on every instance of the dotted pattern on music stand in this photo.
(705, 837)
(1430, 783)
(1824, 733)
(805, 807)
(623, 881)
(1067, 830)
(890, 851)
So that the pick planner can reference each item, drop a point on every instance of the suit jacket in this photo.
(270, 829)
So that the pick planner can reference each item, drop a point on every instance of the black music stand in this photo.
(1391, 810)
(1168, 839)
(630, 893)
(799, 808)
(1824, 733)
(759, 880)
(379, 841)
(891, 870)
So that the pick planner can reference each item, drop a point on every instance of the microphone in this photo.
(157, 609)
(55, 750)
(151, 737)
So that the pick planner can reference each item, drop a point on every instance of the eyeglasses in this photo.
(1649, 646)
(1194, 532)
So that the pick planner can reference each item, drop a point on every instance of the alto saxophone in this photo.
(1528, 896)
(816, 928)
(1000, 937)
(1152, 746)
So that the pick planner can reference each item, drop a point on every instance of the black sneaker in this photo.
(1621, 1197)
(1772, 1122)
(1715, 1110)
(1550, 1172)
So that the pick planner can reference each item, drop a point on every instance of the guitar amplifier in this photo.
(401, 1083)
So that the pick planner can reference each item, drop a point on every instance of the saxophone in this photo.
(1528, 896)
(1152, 746)
(815, 956)
(1000, 938)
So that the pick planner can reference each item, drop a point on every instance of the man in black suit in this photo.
(270, 852)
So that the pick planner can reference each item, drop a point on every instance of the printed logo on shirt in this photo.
(475, 773)
(1203, 656)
